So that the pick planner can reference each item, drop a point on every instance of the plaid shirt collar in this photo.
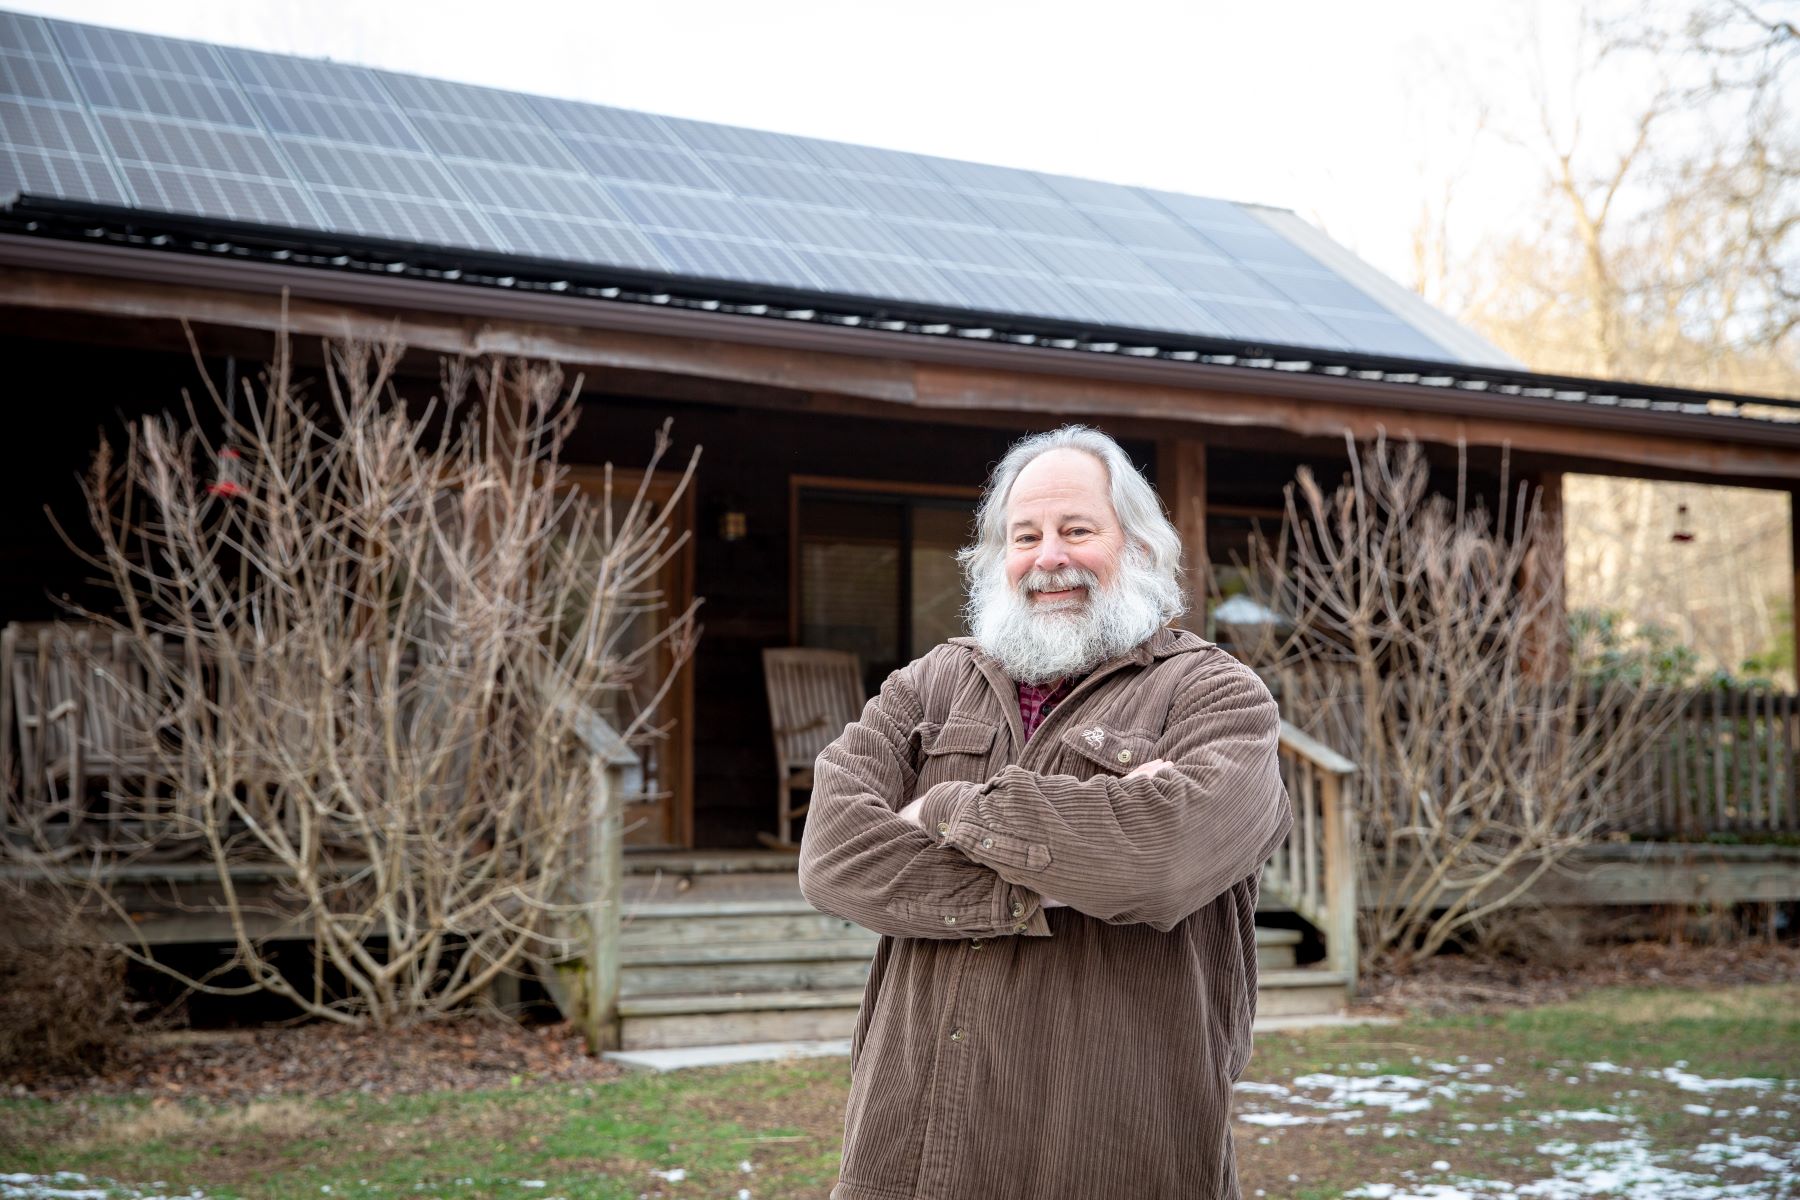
(1036, 703)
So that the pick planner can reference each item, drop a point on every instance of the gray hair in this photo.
(1149, 535)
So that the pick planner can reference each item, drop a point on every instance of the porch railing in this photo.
(1728, 764)
(1314, 870)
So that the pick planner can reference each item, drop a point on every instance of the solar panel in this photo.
(1089, 261)
(985, 177)
(1381, 334)
(34, 77)
(138, 51)
(1148, 308)
(593, 120)
(868, 160)
(305, 77)
(156, 94)
(921, 202)
(737, 142)
(687, 211)
(417, 94)
(226, 197)
(781, 181)
(1315, 289)
(965, 245)
(1046, 217)
(1212, 276)
(1276, 323)
(49, 150)
(1157, 234)
(405, 219)
(673, 165)
(550, 193)
(732, 259)
(48, 127)
(187, 145)
(828, 229)
(567, 239)
(1014, 292)
(358, 168)
(1097, 194)
(334, 120)
(104, 115)
(486, 141)
(25, 35)
(1261, 247)
(879, 277)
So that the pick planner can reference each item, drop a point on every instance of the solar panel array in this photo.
(159, 124)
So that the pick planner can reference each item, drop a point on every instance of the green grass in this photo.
(605, 1141)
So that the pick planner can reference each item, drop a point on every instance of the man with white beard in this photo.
(1058, 825)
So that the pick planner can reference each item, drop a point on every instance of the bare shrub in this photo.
(364, 645)
(1423, 637)
(65, 1009)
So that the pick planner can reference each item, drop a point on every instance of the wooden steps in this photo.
(726, 957)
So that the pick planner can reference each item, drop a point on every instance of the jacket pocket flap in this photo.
(961, 735)
(1109, 748)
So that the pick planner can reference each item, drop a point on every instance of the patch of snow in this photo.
(1586, 1114)
(1608, 1068)
(745, 1167)
(1263, 1089)
(1693, 1083)
(673, 1174)
(1277, 1118)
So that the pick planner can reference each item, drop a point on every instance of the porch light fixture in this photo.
(734, 526)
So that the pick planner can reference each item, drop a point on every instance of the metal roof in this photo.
(157, 125)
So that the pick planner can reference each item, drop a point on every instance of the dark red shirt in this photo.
(1036, 703)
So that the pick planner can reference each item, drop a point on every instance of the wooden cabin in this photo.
(853, 335)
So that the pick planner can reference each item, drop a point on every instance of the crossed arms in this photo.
(1150, 847)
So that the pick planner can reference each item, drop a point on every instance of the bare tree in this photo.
(1425, 635)
(356, 644)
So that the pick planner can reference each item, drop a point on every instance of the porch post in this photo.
(1546, 646)
(1181, 477)
(1794, 564)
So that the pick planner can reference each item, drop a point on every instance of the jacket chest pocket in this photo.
(958, 749)
(1098, 747)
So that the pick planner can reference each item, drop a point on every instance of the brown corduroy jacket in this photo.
(1005, 1051)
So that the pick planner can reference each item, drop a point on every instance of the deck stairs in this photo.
(720, 948)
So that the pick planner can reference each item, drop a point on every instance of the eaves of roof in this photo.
(118, 243)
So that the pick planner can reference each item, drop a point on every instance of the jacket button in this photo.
(987, 843)
(1124, 756)
(1019, 928)
(949, 920)
(975, 943)
(1018, 908)
(956, 1035)
(943, 827)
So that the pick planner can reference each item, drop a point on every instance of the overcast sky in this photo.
(1347, 113)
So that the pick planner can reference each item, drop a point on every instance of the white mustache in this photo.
(1058, 581)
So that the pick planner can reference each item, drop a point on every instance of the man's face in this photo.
(1059, 516)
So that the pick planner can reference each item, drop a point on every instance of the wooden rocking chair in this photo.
(813, 694)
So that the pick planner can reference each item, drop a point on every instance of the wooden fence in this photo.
(1728, 764)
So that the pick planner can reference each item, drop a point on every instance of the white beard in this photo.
(1038, 643)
